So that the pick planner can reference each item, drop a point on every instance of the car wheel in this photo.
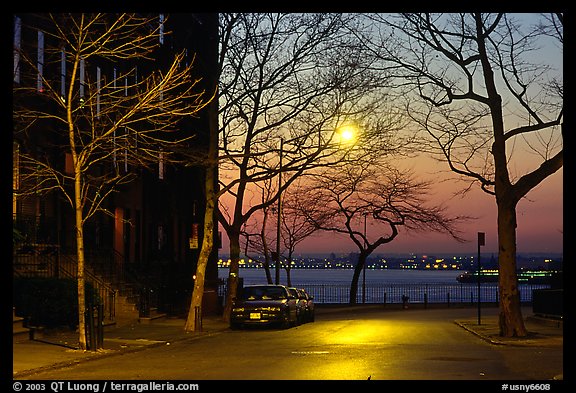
(235, 325)
(298, 320)
(285, 324)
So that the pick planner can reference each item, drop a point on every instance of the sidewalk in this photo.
(59, 348)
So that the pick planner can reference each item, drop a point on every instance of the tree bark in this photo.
(194, 319)
(193, 322)
(356, 276)
(511, 322)
(233, 277)
(82, 342)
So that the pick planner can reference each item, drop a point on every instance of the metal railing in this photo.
(47, 260)
(382, 293)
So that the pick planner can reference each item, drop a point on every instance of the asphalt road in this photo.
(395, 345)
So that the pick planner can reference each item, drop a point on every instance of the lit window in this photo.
(69, 164)
(15, 176)
(115, 163)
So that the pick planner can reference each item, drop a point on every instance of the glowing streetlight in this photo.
(347, 134)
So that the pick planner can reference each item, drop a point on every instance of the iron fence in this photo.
(382, 293)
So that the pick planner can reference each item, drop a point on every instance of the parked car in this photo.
(264, 305)
(301, 306)
(309, 309)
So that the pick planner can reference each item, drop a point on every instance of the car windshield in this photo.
(263, 293)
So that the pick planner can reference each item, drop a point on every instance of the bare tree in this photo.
(288, 81)
(295, 227)
(390, 199)
(478, 87)
(295, 222)
(193, 321)
(257, 239)
(109, 123)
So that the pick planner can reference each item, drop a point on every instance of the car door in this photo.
(298, 305)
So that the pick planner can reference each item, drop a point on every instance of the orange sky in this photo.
(540, 223)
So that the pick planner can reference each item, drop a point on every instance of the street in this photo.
(375, 345)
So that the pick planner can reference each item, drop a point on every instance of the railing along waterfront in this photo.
(382, 293)
(417, 293)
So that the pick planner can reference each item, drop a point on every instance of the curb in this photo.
(483, 337)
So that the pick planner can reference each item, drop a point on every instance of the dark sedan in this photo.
(264, 305)
(308, 301)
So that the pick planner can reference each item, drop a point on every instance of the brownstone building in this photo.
(146, 249)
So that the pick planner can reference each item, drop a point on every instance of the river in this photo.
(344, 276)
(384, 285)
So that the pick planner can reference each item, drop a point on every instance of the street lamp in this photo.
(279, 224)
(347, 134)
(364, 267)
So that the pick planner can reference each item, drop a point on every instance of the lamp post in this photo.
(364, 266)
(481, 242)
(279, 224)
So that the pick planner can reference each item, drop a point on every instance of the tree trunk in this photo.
(194, 319)
(356, 276)
(193, 322)
(233, 273)
(511, 322)
(82, 342)
(266, 266)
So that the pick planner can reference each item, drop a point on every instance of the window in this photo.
(15, 176)
(98, 77)
(82, 79)
(69, 164)
(126, 151)
(63, 74)
(161, 166)
(161, 29)
(40, 62)
(17, 47)
(161, 237)
(115, 163)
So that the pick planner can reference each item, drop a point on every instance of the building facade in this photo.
(148, 231)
